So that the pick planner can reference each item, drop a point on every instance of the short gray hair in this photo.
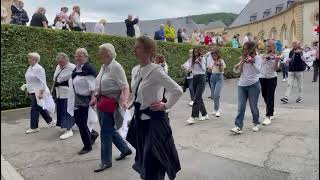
(109, 47)
(62, 55)
(83, 51)
(34, 55)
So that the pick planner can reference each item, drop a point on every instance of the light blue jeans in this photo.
(244, 93)
(216, 86)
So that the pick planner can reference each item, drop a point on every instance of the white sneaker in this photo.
(191, 120)
(191, 103)
(267, 121)
(218, 114)
(52, 124)
(66, 135)
(236, 130)
(256, 128)
(213, 113)
(75, 128)
(31, 131)
(284, 80)
(272, 117)
(203, 118)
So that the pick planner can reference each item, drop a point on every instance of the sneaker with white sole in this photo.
(218, 114)
(31, 131)
(213, 113)
(75, 128)
(191, 103)
(191, 120)
(299, 100)
(284, 100)
(284, 80)
(236, 130)
(267, 121)
(272, 117)
(52, 124)
(204, 118)
(67, 134)
(256, 128)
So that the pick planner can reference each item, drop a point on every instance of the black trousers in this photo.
(81, 118)
(199, 84)
(316, 64)
(209, 77)
(268, 88)
(36, 110)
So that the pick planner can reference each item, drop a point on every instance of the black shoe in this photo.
(103, 167)
(314, 81)
(94, 136)
(84, 151)
(299, 100)
(284, 100)
(123, 155)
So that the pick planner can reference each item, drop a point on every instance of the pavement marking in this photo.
(8, 172)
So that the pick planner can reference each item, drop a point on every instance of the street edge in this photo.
(8, 172)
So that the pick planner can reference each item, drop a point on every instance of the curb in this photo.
(8, 172)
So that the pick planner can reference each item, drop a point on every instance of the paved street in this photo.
(285, 150)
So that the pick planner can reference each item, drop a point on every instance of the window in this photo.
(253, 17)
(266, 13)
(279, 8)
(290, 3)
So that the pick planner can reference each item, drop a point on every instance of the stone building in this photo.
(286, 20)
(216, 27)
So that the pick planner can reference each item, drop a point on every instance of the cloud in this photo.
(117, 10)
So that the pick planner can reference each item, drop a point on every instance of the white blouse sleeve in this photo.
(257, 64)
(41, 74)
(91, 80)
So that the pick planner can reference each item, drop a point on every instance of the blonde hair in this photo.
(41, 10)
(102, 21)
(76, 9)
(62, 55)
(34, 55)
(83, 51)
(109, 47)
(149, 44)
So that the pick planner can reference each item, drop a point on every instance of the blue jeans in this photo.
(284, 69)
(244, 93)
(109, 135)
(216, 86)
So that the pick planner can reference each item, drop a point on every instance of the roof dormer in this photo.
(253, 17)
(266, 13)
(279, 8)
(290, 3)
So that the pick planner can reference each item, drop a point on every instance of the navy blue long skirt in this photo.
(64, 120)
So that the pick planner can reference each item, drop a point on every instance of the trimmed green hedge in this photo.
(18, 41)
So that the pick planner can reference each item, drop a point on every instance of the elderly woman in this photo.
(113, 92)
(39, 19)
(60, 92)
(83, 84)
(41, 100)
(150, 132)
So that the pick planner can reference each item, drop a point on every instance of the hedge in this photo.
(18, 41)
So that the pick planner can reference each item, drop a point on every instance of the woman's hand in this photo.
(92, 101)
(124, 104)
(158, 106)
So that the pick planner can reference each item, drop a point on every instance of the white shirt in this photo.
(76, 20)
(245, 40)
(35, 78)
(153, 78)
(250, 72)
(285, 55)
(62, 92)
(99, 28)
(267, 68)
(198, 68)
(58, 25)
(84, 85)
(136, 30)
(187, 66)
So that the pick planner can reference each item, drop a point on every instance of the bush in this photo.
(18, 41)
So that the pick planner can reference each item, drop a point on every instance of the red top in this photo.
(207, 40)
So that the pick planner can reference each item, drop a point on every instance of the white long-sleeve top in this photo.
(84, 85)
(99, 28)
(199, 68)
(62, 92)
(76, 20)
(150, 91)
(187, 66)
(250, 72)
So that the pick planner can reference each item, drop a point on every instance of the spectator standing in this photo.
(19, 15)
(184, 36)
(296, 67)
(208, 39)
(75, 23)
(195, 39)
(245, 39)
(130, 22)
(99, 27)
(316, 63)
(234, 42)
(159, 35)
(169, 32)
(39, 19)
(180, 40)
(285, 63)
(137, 30)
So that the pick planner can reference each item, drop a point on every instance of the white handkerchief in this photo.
(23, 87)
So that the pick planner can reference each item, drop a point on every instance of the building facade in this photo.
(284, 20)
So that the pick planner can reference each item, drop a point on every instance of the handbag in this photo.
(105, 104)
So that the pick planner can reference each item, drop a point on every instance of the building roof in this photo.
(215, 24)
(258, 7)
(148, 26)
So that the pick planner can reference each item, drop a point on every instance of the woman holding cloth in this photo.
(112, 90)
(149, 131)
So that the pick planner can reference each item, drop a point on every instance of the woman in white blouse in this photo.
(41, 100)
(112, 89)
(189, 76)
(198, 68)
(99, 27)
(149, 131)
(61, 78)
(75, 19)
(83, 85)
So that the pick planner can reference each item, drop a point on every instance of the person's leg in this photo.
(291, 76)
(81, 118)
(209, 77)
(66, 120)
(299, 76)
(287, 70)
(106, 129)
(253, 95)
(283, 68)
(217, 92)
(264, 91)
(273, 86)
(34, 114)
(196, 99)
(59, 112)
(191, 90)
(242, 103)
(201, 88)
(315, 70)
(213, 80)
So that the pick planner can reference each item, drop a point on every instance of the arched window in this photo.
(273, 33)
(292, 32)
(283, 34)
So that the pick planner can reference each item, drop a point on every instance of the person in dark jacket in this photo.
(130, 25)
(39, 19)
(18, 15)
(296, 67)
(159, 35)
(179, 36)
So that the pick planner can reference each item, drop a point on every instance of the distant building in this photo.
(216, 27)
(287, 20)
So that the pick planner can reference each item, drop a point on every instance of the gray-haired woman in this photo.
(113, 92)
(41, 100)
(61, 91)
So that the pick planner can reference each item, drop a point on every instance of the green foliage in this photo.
(18, 41)
(226, 18)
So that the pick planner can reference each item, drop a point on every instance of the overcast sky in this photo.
(117, 10)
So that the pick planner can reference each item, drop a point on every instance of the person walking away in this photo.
(41, 100)
(248, 86)
(130, 22)
(149, 130)
(316, 64)
(99, 27)
(39, 19)
(169, 32)
(216, 67)
(285, 63)
(60, 92)
(159, 35)
(189, 77)
(198, 68)
(268, 80)
(296, 67)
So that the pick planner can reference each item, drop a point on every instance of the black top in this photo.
(37, 20)
(18, 16)
(130, 28)
(179, 37)
(87, 70)
(296, 63)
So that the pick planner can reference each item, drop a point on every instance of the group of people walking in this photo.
(78, 89)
